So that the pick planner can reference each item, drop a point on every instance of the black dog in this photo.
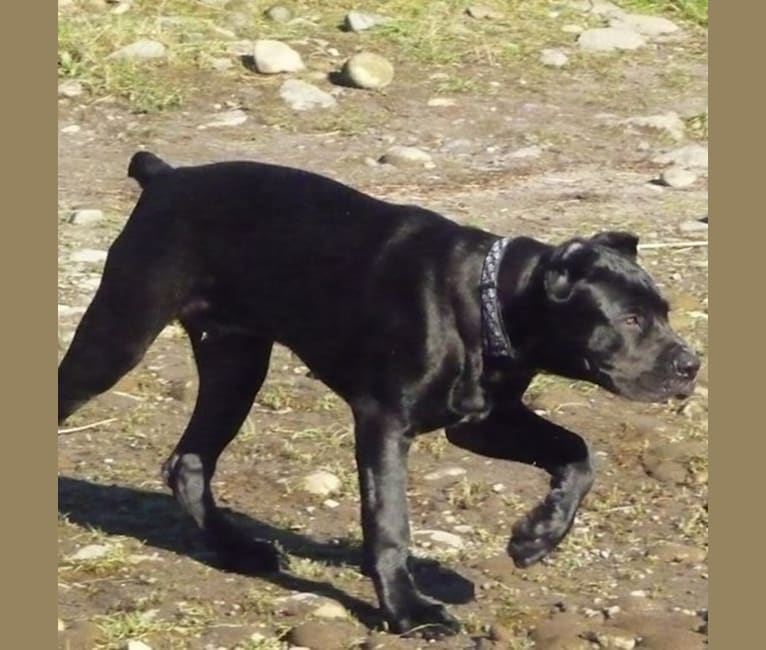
(418, 323)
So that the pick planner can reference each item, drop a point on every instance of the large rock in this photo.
(303, 96)
(273, 57)
(368, 70)
(610, 39)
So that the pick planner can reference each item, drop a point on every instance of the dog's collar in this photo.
(494, 337)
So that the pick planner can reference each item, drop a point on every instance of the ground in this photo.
(633, 571)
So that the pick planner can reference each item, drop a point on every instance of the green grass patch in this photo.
(694, 11)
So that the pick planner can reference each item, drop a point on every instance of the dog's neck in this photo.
(510, 286)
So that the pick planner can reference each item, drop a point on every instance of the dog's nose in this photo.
(686, 364)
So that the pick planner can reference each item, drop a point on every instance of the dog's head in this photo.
(606, 321)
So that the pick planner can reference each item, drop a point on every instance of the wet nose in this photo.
(686, 364)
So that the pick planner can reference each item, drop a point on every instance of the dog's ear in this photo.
(568, 264)
(625, 243)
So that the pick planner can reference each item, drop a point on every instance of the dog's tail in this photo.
(145, 167)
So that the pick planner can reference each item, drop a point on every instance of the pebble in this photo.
(331, 610)
(443, 538)
(90, 552)
(368, 70)
(90, 255)
(441, 102)
(358, 21)
(612, 639)
(303, 96)
(140, 50)
(669, 122)
(553, 58)
(274, 57)
(62, 626)
(610, 39)
(692, 226)
(70, 88)
(137, 645)
(646, 25)
(573, 29)
(401, 156)
(690, 156)
(447, 472)
(278, 14)
(226, 118)
(677, 177)
(330, 503)
(72, 128)
(322, 636)
(85, 217)
(321, 483)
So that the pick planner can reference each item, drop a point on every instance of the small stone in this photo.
(358, 21)
(331, 610)
(464, 529)
(677, 177)
(90, 552)
(323, 635)
(482, 12)
(85, 217)
(497, 488)
(440, 102)
(368, 70)
(303, 96)
(72, 128)
(62, 626)
(669, 122)
(646, 25)
(88, 255)
(273, 57)
(553, 58)
(447, 472)
(611, 612)
(142, 49)
(443, 538)
(638, 593)
(321, 483)
(401, 156)
(692, 226)
(612, 639)
(691, 156)
(70, 88)
(330, 503)
(226, 118)
(278, 14)
(137, 645)
(609, 39)
(573, 29)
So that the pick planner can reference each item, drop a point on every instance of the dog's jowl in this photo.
(417, 322)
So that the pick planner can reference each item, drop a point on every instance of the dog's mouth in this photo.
(648, 388)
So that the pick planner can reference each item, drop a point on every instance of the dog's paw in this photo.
(427, 620)
(537, 534)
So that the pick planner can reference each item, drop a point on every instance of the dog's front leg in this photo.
(382, 444)
(519, 434)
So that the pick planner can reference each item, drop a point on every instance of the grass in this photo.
(693, 11)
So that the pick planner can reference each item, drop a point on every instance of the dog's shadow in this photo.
(155, 519)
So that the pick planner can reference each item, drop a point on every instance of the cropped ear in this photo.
(568, 264)
(625, 243)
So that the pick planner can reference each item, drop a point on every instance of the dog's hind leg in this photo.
(231, 370)
(140, 292)
(520, 435)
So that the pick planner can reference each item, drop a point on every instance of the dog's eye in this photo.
(632, 320)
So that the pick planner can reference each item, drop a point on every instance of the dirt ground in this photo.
(633, 571)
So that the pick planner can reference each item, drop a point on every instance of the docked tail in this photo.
(145, 166)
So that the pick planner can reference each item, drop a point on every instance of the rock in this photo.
(88, 255)
(278, 14)
(72, 128)
(646, 25)
(677, 177)
(482, 12)
(242, 47)
(671, 552)
(441, 102)
(70, 88)
(331, 610)
(330, 504)
(611, 639)
(691, 156)
(90, 552)
(358, 21)
(669, 122)
(120, 8)
(442, 538)
(143, 49)
(401, 156)
(85, 217)
(573, 29)
(692, 226)
(553, 58)
(226, 118)
(137, 645)
(609, 39)
(273, 57)
(62, 626)
(323, 636)
(303, 96)
(447, 472)
(368, 70)
(321, 483)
